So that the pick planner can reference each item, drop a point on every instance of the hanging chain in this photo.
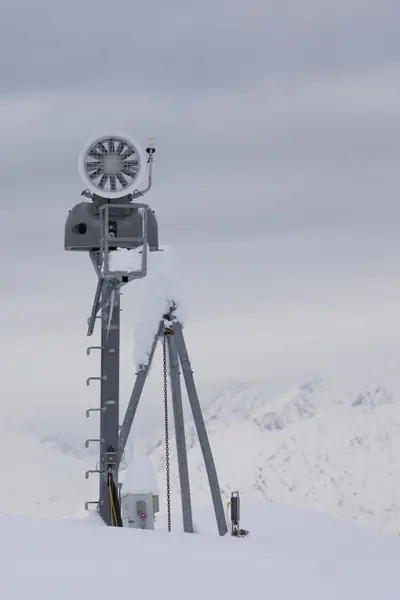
(167, 469)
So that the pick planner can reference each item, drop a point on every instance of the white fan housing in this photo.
(112, 165)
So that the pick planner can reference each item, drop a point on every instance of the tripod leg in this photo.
(180, 435)
(135, 397)
(201, 428)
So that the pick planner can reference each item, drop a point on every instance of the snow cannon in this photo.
(117, 231)
(111, 167)
(111, 220)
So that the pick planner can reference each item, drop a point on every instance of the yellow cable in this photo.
(115, 514)
(111, 501)
(114, 520)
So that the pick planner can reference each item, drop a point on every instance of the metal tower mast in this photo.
(114, 220)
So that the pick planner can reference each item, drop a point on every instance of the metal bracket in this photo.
(87, 504)
(93, 348)
(95, 308)
(100, 299)
(89, 410)
(89, 379)
(87, 474)
(108, 240)
(96, 317)
(99, 440)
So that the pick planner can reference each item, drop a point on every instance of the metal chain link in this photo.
(167, 469)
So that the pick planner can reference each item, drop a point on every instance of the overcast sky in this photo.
(276, 184)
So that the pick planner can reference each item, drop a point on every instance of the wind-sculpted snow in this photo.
(290, 554)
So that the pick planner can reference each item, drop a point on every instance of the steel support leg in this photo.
(180, 435)
(201, 429)
(109, 416)
(141, 377)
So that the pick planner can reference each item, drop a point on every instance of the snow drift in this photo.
(290, 554)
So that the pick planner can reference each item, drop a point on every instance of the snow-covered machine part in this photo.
(124, 259)
(139, 494)
(163, 291)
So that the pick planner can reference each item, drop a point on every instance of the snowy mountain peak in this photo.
(378, 396)
(301, 402)
(308, 447)
(312, 447)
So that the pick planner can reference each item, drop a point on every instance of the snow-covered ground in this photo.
(41, 478)
(290, 554)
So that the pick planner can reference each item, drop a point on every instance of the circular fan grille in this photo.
(112, 164)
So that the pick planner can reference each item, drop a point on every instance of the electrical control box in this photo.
(139, 510)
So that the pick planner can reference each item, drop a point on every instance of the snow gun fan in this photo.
(111, 219)
(112, 165)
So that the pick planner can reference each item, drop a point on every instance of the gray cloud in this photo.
(276, 182)
(188, 47)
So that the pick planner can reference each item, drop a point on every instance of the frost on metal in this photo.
(123, 259)
(163, 290)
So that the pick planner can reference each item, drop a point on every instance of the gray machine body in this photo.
(138, 510)
(82, 228)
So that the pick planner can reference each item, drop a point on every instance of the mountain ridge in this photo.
(312, 447)
(307, 447)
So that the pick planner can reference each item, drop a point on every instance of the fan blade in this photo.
(94, 153)
(120, 146)
(98, 150)
(123, 180)
(100, 147)
(113, 183)
(89, 166)
(96, 174)
(131, 171)
(103, 181)
(111, 145)
(130, 163)
(128, 152)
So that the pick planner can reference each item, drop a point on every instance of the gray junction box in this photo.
(138, 510)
